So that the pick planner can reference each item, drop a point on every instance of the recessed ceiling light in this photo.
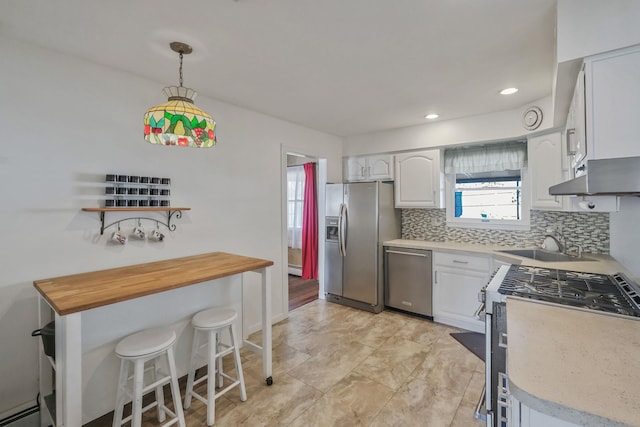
(431, 116)
(508, 91)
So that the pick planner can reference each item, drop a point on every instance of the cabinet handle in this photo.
(571, 148)
(406, 253)
(460, 262)
(435, 276)
(479, 312)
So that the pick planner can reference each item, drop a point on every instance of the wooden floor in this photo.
(301, 291)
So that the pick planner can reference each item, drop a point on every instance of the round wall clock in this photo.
(532, 118)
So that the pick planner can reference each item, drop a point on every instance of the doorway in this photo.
(303, 193)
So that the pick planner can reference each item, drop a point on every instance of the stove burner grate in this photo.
(613, 294)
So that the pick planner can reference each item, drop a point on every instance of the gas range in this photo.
(608, 293)
(604, 293)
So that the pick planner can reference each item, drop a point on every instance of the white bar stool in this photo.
(135, 350)
(213, 321)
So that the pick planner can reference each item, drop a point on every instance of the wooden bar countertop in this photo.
(79, 292)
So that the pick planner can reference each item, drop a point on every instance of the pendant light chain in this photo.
(180, 68)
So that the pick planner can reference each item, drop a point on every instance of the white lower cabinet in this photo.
(457, 280)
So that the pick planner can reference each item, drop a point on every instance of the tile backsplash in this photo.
(590, 230)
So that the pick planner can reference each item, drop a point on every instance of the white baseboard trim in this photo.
(296, 271)
(258, 326)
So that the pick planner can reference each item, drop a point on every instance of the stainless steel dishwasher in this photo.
(408, 280)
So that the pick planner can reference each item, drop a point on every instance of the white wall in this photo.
(488, 127)
(66, 123)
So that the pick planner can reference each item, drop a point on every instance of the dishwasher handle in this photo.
(389, 251)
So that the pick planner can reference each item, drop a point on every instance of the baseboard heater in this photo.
(26, 418)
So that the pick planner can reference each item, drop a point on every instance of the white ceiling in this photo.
(345, 67)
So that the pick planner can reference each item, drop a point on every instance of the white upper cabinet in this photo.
(547, 167)
(417, 183)
(378, 167)
(612, 104)
(545, 154)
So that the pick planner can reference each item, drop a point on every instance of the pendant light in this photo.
(178, 121)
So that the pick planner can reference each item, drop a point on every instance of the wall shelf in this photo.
(171, 212)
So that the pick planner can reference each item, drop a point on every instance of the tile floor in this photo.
(338, 366)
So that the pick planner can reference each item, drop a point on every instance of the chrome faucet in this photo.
(557, 242)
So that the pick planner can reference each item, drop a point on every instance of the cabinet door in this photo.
(455, 297)
(613, 102)
(417, 183)
(355, 168)
(577, 134)
(545, 167)
(380, 168)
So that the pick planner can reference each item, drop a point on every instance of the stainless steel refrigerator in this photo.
(360, 216)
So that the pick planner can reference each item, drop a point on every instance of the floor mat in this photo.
(473, 341)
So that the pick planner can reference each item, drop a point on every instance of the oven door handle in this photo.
(479, 414)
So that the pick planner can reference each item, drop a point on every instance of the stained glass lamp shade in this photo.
(178, 121)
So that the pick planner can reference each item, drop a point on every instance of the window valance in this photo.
(486, 158)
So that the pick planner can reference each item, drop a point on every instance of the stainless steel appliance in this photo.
(618, 176)
(609, 293)
(360, 216)
(408, 280)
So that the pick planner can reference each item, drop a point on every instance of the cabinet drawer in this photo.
(465, 261)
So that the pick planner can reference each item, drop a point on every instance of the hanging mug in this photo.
(157, 235)
(138, 232)
(119, 237)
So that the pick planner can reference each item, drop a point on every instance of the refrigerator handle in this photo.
(342, 229)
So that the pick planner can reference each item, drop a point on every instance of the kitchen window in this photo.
(486, 186)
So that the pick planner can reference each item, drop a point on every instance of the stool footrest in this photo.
(201, 379)
(199, 397)
(160, 382)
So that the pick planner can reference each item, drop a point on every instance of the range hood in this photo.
(619, 177)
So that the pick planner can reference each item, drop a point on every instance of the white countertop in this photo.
(598, 263)
(579, 365)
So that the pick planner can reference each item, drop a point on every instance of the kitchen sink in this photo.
(542, 255)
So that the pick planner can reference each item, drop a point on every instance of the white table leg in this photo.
(265, 349)
(68, 370)
(266, 325)
(44, 365)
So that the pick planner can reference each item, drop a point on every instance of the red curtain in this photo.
(310, 224)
